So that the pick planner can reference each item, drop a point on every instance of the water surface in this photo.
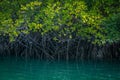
(20, 69)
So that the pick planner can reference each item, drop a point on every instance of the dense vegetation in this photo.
(63, 29)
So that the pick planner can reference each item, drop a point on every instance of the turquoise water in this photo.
(20, 69)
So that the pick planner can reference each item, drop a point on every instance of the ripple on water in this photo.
(11, 69)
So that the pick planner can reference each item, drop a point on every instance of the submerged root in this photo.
(35, 45)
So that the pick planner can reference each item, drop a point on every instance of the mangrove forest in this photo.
(60, 29)
(59, 39)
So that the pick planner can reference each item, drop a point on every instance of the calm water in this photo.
(19, 69)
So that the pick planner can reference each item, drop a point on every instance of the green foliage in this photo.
(112, 26)
(94, 20)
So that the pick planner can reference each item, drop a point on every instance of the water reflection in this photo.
(18, 69)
